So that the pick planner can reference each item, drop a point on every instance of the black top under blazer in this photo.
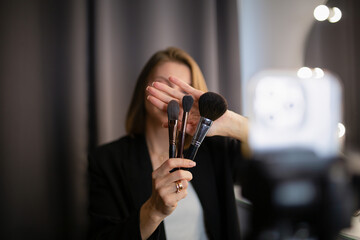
(120, 182)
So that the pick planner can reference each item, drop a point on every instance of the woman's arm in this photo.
(236, 126)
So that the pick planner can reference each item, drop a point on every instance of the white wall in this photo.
(272, 35)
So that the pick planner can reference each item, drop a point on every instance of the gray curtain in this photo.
(129, 32)
(43, 109)
(67, 71)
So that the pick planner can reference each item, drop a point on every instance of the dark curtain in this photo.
(335, 47)
(67, 71)
(43, 92)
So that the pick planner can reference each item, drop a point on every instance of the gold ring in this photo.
(179, 187)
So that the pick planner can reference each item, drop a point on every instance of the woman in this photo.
(133, 194)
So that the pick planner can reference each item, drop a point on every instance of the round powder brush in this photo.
(211, 107)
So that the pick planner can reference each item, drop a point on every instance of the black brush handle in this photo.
(191, 152)
(172, 150)
(181, 143)
(181, 140)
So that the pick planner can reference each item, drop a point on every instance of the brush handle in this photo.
(172, 138)
(180, 147)
(200, 133)
(172, 150)
(191, 152)
(181, 140)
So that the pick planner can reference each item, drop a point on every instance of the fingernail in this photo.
(152, 84)
(192, 164)
(147, 88)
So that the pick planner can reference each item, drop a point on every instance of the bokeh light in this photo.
(321, 13)
(341, 130)
(335, 15)
(319, 73)
(304, 72)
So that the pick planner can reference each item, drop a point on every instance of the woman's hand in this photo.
(161, 94)
(230, 124)
(164, 197)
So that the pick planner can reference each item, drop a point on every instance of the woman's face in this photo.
(161, 73)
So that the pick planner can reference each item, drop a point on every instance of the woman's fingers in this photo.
(167, 93)
(172, 92)
(180, 189)
(170, 178)
(172, 163)
(174, 187)
(157, 103)
(186, 87)
(179, 175)
(181, 185)
(160, 94)
(173, 192)
(169, 188)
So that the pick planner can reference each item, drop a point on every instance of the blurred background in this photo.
(68, 69)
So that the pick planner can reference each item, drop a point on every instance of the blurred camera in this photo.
(297, 181)
(288, 112)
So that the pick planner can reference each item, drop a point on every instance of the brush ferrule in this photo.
(201, 131)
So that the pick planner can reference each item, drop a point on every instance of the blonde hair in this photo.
(136, 115)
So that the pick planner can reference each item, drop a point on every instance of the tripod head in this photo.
(295, 195)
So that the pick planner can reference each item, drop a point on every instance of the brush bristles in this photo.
(212, 105)
(187, 102)
(173, 110)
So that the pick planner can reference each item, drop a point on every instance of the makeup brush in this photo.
(173, 114)
(211, 107)
(187, 103)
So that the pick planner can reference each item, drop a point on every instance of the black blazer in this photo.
(120, 182)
